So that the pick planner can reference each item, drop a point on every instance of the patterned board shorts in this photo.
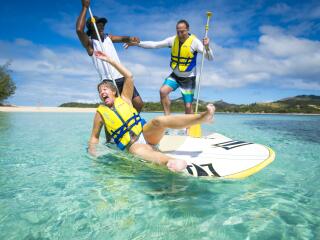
(186, 84)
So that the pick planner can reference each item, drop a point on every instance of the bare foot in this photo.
(176, 165)
(209, 113)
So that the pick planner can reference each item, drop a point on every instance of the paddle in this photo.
(195, 130)
(93, 21)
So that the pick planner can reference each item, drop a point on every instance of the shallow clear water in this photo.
(51, 189)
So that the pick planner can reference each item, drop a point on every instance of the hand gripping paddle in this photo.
(195, 130)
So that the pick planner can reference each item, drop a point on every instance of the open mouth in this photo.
(106, 99)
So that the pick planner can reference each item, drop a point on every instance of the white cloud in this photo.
(53, 75)
(315, 12)
(61, 74)
(158, 22)
(22, 42)
(64, 25)
(277, 60)
(297, 11)
(278, 44)
(278, 9)
(302, 84)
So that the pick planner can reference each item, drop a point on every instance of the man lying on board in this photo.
(126, 127)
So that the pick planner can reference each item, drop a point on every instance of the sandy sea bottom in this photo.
(51, 189)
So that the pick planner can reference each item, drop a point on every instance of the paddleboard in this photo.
(217, 155)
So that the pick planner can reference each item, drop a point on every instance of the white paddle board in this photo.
(217, 155)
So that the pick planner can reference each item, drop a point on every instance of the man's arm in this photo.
(83, 37)
(152, 44)
(127, 90)
(124, 39)
(95, 134)
(204, 47)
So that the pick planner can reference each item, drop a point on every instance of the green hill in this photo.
(177, 105)
(81, 105)
(297, 104)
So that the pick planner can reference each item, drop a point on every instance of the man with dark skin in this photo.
(90, 42)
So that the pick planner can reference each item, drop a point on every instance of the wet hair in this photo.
(183, 21)
(109, 85)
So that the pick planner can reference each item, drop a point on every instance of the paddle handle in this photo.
(209, 14)
(93, 21)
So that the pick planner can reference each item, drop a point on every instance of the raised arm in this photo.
(83, 37)
(127, 90)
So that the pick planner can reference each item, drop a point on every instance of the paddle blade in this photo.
(195, 131)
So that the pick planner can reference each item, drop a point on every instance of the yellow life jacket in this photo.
(121, 122)
(182, 55)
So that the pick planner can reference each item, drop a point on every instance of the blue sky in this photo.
(264, 50)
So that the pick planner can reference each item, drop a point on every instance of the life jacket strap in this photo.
(118, 133)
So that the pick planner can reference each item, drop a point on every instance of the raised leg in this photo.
(154, 130)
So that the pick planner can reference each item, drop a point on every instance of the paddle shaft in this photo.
(202, 60)
(102, 48)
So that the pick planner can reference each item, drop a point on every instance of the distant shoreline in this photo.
(80, 110)
(257, 113)
(44, 109)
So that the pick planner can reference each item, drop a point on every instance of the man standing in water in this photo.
(184, 48)
(90, 42)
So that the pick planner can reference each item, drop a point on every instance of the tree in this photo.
(7, 86)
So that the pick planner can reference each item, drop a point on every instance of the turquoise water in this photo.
(51, 189)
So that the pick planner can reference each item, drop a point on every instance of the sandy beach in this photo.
(45, 109)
